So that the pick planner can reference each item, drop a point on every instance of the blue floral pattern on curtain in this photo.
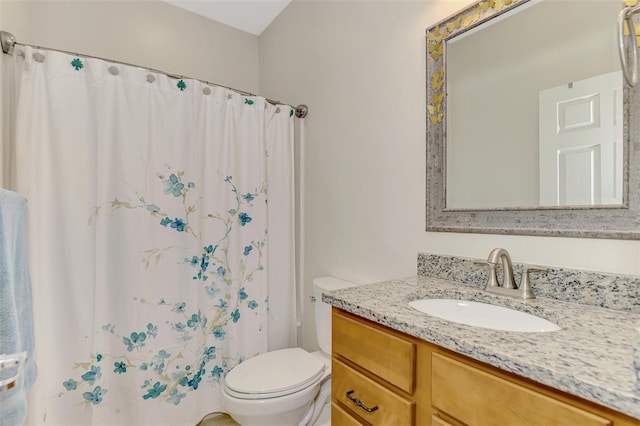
(184, 377)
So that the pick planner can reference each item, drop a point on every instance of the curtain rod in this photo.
(8, 41)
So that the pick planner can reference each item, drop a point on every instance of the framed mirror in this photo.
(529, 122)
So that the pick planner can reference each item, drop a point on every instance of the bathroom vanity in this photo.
(394, 365)
(413, 382)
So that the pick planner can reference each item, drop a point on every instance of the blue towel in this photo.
(16, 321)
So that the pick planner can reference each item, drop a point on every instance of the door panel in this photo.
(581, 142)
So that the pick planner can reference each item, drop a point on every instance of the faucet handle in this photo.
(525, 284)
(493, 276)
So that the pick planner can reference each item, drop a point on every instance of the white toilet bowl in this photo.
(278, 388)
(287, 387)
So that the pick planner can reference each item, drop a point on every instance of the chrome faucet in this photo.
(500, 254)
(508, 286)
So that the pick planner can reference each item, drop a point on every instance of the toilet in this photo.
(287, 387)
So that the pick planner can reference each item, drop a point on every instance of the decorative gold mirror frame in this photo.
(619, 222)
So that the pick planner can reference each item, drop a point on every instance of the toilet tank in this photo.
(323, 310)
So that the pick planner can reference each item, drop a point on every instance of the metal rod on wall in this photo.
(8, 42)
(629, 65)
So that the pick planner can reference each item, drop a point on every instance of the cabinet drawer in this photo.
(437, 421)
(340, 417)
(387, 356)
(478, 398)
(392, 409)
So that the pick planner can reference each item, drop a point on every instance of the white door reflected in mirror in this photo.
(580, 142)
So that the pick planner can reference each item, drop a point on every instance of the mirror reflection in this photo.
(534, 109)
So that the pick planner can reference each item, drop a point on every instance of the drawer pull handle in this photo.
(360, 404)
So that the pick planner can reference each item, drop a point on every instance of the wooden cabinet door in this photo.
(478, 398)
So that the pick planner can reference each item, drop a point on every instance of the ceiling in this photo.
(252, 16)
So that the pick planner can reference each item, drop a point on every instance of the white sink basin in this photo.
(483, 315)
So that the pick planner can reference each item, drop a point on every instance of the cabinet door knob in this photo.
(359, 403)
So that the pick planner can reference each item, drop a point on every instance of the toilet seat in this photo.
(274, 374)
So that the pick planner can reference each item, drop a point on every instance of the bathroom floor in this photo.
(218, 420)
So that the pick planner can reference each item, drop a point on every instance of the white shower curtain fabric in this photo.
(161, 236)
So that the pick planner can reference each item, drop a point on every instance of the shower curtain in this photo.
(161, 235)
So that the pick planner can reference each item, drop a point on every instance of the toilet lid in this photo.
(275, 373)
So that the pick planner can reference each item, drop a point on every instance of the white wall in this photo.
(148, 33)
(360, 67)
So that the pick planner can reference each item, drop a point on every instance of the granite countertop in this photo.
(590, 357)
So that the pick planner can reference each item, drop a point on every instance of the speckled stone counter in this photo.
(613, 291)
(592, 356)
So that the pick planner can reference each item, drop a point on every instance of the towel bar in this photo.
(11, 361)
